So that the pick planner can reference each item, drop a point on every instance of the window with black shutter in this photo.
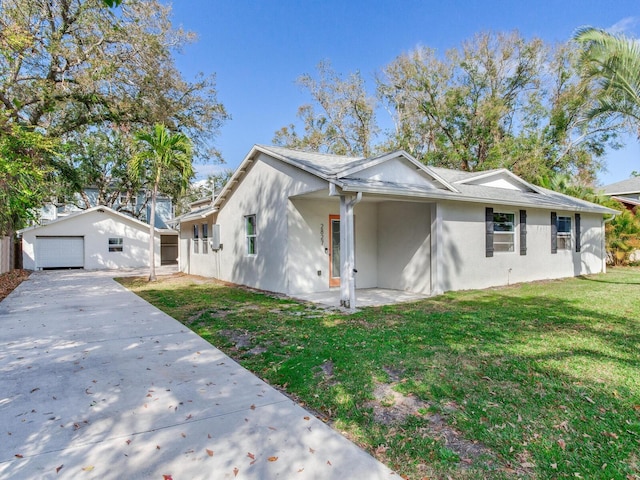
(489, 231)
(554, 232)
(578, 243)
(523, 232)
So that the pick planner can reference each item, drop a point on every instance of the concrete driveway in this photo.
(97, 383)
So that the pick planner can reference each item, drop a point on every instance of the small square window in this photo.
(116, 244)
(251, 234)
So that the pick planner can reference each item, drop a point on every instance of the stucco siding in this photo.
(264, 192)
(466, 266)
(97, 227)
(404, 246)
(397, 170)
(309, 244)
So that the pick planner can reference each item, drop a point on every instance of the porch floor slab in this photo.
(365, 297)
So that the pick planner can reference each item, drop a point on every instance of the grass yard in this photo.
(537, 380)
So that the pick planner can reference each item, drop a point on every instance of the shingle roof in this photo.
(331, 168)
(324, 163)
(630, 185)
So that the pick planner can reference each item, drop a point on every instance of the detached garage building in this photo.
(95, 239)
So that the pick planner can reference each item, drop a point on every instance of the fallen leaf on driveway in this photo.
(306, 418)
(251, 456)
(252, 407)
(209, 452)
(272, 459)
(17, 455)
(167, 477)
(235, 471)
(59, 468)
(88, 468)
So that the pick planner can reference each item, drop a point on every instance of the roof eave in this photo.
(443, 195)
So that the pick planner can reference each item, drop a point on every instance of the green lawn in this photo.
(530, 381)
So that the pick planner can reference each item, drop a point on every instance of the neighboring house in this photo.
(626, 192)
(97, 238)
(299, 222)
(138, 206)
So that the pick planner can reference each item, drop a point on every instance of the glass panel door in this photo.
(334, 250)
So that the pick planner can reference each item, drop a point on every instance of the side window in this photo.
(504, 232)
(116, 244)
(564, 233)
(251, 234)
(196, 239)
(205, 237)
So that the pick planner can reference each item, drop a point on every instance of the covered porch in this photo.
(355, 250)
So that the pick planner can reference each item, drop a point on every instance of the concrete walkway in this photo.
(95, 383)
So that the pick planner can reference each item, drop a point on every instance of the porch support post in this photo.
(347, 254)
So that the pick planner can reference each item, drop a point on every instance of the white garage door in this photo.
(59, 252)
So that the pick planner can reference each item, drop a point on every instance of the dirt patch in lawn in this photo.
(391, 407)
(10, 280)
(239, 338)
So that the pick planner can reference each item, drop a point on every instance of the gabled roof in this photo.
(99, 208)
(445, 184)
(625, 187)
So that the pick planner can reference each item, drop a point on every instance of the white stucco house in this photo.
(97, 238)
(298, 222)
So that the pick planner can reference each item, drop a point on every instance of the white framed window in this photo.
(196, 239)
(251, 233)
(564, 233)
(116, 244)
(205, 237)
(504, 232)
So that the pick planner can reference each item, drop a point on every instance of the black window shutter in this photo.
(578, 245)
(489, 231)
(554, 232)
(523, 232)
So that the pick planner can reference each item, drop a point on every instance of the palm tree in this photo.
(613, 63)
(162, 153)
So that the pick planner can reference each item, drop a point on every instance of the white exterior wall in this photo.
(404, 246)
(96, 228)
(464, 264)
(265, 192)
(203, 264)
(397, 170)
(309, 237)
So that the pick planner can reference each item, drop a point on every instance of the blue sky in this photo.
(258, 48)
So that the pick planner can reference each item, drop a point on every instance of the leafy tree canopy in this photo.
(89, 76)
(497, 101)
